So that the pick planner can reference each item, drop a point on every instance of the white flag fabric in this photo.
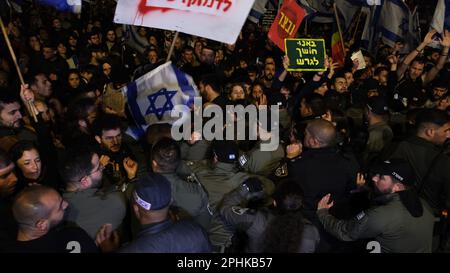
(152, 97)
(441, 18)
(257, 11)
(216, 20)
(397, 22)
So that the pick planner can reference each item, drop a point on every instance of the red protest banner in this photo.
(286, 23)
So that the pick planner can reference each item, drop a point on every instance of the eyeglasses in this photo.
(100, 168)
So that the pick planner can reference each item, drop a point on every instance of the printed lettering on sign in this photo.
(306, 54)
(215, 7)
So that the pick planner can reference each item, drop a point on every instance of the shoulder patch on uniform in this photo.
(360, 215)
(243, 160)
(239, 210)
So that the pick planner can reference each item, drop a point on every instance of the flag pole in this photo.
(13, 56)
(339, 27)
(357, 25)
(172, 46)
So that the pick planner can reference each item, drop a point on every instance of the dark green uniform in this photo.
(262, 162)
(190, 198)
(391, 225)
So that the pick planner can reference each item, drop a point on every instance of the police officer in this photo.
(219, 177)
(244, 209)
(223, 174)
(263, 160)
(399, 221)
(188, 196)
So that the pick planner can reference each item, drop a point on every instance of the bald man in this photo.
(321, 169)
(39, 211)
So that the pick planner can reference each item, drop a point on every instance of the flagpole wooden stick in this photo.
(13, 56)
(357, 25)
(339, 27)
(172, 46)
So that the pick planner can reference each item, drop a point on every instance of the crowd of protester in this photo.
(363, 153)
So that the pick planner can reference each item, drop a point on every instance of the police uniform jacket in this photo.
(390, 224)
(255, 222)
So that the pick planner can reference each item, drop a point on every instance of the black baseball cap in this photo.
(152, 192)
(397, 168)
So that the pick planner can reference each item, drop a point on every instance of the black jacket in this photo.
(420, 154)
(170, 237)
(322, 171)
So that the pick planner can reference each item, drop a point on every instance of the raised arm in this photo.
(413, 54)
(445, 42)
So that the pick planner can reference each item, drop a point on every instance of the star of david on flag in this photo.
(153, 108)
(152, 97)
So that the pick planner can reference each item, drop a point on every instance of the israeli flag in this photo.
(441, 18)
(152, 97)
(397, 22)
(63, 5)
(257, 11)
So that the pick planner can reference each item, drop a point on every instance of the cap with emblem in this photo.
(398, 169)
(152, 192)
(226, 151)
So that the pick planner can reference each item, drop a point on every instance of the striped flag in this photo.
(63, 5)
(441, 18)
(152, 97)
(397, 22)
(257, 11)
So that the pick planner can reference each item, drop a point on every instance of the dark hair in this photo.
(288, 219)
(188, 48)
(32, 78)
(380, 69)
(433, 116)
(419, 60)
(106, 122)
(213, 81)
(5, 161)
(16, 151)
(77, 164)
(7, 98)
(166, 153)
(316, 102)
(78, 110)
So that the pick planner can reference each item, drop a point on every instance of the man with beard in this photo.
(39, 212)
(8, 188)
(90, 207)
(268, 74)
(399, 221)
(11, 120)
(115, 156)
(439, 89)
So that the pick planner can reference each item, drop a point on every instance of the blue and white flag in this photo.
(63, 5)
(257, 11)
(152, 97)
(367, 37)
(397, 22)
(441, 18)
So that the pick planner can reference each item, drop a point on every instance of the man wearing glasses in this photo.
(115, 156)
(89, 206)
